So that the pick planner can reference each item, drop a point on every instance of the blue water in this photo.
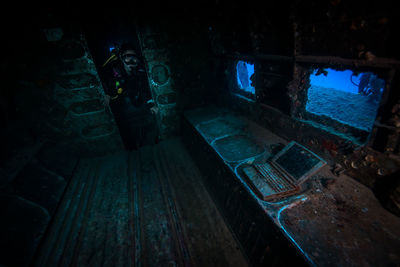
(244, 71)
(335, 96)
(339, 80)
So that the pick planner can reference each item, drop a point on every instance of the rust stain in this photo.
(330, 146)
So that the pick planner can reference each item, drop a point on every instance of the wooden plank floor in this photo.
(141, 208)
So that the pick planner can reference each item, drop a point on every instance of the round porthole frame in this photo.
(156, 64)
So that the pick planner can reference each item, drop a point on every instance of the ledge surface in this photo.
(333, 221)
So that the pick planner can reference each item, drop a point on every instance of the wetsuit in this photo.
(130, 103)
(364, 82)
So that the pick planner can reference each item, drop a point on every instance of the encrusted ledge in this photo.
(334, 220)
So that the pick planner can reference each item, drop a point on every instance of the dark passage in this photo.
(146, 207)
(128, 132)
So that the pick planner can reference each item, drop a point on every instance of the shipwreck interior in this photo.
(277, 135)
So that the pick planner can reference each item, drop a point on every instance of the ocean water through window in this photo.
(345, 96)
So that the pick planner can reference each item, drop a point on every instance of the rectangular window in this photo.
(344, 96)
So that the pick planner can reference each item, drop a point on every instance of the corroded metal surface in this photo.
(343, 220)
(333, 221)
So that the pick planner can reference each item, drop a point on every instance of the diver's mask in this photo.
(130, 59)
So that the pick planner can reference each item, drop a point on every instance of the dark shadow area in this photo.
(385, 191)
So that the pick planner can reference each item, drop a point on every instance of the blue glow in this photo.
(244, 71)
(289, 235)
(339, 80)
(350, 99)
(111, 48)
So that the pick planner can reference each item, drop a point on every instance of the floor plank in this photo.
(140, 208)
(210, 239)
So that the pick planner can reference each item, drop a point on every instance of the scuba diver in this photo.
(370, 85)
(364, 82)
(376, 86)
(128, 94)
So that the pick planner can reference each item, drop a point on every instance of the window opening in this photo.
(348, 97)
(245, 74)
